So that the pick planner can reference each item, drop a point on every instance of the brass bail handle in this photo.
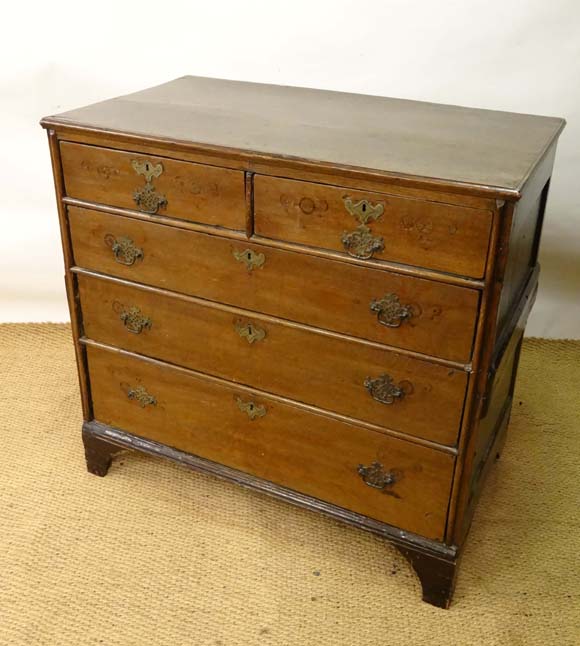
(390, 312)
(375, 475)
(384, 390)
(126, 252)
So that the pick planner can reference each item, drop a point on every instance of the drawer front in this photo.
(278, 442)
(365, 382)
(323, 293)
(436, 236)
(177, 189)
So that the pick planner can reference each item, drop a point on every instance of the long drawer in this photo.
(411, 313)
(388, 479)
(443, 237)
(353, 378)
(177, 189)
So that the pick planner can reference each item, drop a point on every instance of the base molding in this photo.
(434, 563)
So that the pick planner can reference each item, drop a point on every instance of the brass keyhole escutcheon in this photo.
(252, 410)
(252, 259)
(252, 333)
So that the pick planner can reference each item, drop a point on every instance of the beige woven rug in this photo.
(157, 555)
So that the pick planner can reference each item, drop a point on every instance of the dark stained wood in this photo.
(321, 293)
(478, 148)
(310, 453)
(437, 236)
(296, 362)
(436, 575)
(215, 196)
(99, 453)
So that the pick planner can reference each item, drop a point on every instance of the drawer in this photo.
(315, 291)
(401, 393)
(177, 189)
(276, 441)
(436, 236)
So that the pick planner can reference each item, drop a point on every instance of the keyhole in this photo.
(249, 255)
(147, 166)
(364, 208)
(251, 407)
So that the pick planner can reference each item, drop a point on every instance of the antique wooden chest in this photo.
(318, 295)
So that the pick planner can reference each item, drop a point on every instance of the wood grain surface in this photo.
(195, 192)
(321, 369)
(415, 232)
(310, 453)
(294, 286)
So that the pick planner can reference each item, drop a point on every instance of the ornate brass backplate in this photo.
(375, 475)
(126, 253)
(361, 243)
(133, 319)
(147, 198)
(252, 259)
(385, 391)
(252, 410)
(250, 332)
(390, 312)
(140, 394)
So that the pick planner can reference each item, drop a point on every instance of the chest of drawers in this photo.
(317, 295)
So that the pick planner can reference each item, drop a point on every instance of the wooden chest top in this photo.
(445, 145)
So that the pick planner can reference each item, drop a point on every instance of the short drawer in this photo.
(385, 478)
(350, 377)
(177, 189)
(441, 237)
(416, 314)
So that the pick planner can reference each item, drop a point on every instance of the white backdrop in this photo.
(522, 56)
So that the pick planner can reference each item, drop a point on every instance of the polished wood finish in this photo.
(290, 285)
(262, 257)
(428, 234)
(481, 151)
(200, 193)
(328, 371)
(311, 453)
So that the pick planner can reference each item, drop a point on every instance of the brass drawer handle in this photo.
(126, 253)
(385, 391)
(390, 312)
(146, 198)
(250, 332)
(252, 259)
(252, 410)
(376, 476)
(133, 319)
(140, 394)
(361, 243)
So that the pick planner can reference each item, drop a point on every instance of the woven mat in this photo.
(154, 554)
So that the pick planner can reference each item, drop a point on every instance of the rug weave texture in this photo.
(155, 554)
